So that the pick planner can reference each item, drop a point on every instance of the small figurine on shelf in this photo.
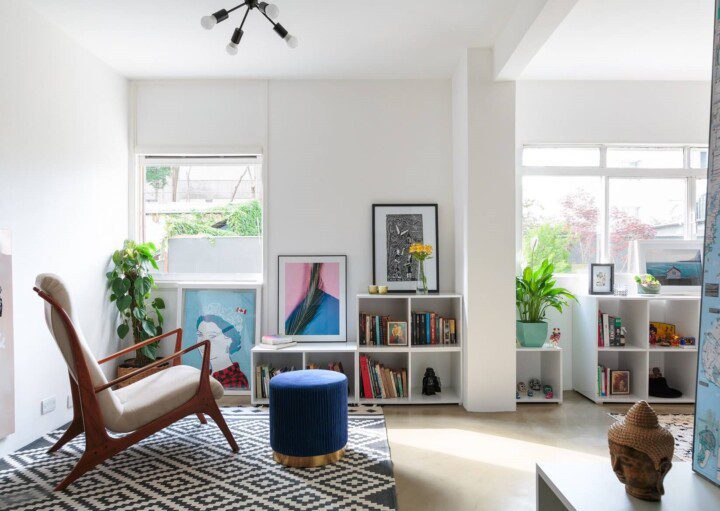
(548, 391)
(555, 337)
(430, 383)
(687, 341)
(534, 384)
(675, 341)
(521, 387)
(623, 335)
(517, 395)
(530, 393)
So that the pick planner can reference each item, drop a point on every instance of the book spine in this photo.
(600, 335)
(404, 382)
(606, 331)
(618, 326)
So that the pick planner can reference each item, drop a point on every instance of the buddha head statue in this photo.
(641, 452)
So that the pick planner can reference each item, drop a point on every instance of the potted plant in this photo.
(647, 284)
(535, 291)
(131, 283)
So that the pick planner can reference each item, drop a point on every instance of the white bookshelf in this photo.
(678, 365)
(544, 363)
(446, 360)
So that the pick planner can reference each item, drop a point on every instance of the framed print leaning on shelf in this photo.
(395, 228)
(602, 279)
(397, 333)
(676, 264)
(312, 298)
(228, 315)
(619, 383)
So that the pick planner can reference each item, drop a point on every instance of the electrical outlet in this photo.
(69, 402)
(47, 405)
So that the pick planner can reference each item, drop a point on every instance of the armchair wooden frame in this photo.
(88, 418)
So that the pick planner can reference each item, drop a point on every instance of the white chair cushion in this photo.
(157, 394)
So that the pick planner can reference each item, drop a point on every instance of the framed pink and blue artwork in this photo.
(312, 305)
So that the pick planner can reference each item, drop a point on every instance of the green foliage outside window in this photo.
(231, 220)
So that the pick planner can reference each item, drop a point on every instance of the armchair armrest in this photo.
(135, 347)
(161, 361)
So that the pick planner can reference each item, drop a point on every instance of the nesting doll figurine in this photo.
(641, 452)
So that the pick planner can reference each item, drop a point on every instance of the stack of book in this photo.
(332, 366)
(603, 379)
(431, 328)
(610, 331)
(263, 374)
(380, 382)
(373, 330)
(277, 342)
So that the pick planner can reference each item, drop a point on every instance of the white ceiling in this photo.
(629, 40)
(338, 38)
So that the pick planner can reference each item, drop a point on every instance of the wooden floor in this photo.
(448, 459)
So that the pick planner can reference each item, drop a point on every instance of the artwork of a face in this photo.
(220, 343)
(637, 472)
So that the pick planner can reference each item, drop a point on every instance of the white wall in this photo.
(608, 112)
(63, 169)
(332, 149)
(612, 112)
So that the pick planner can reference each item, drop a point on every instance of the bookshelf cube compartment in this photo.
(633, 361)
(275, 359)
(683, 313)
(444, 306)
(447, 366)
(324, 359)
(679, 368)
(545, 364)
(390, 360)
(634, 317)
(384, 305)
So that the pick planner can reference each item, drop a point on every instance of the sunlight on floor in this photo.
(481, 447)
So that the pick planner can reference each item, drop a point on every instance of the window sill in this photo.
(173, 279)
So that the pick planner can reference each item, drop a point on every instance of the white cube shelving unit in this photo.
(446, 360)
(544, 363)
(679, 365)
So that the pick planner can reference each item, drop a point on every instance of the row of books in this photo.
(373, 330)
(332, 366)
(431, 328)
(380, 382)
(610, 331)
(263, 374)
(603, 380)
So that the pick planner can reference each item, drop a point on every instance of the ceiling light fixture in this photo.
(271, 13)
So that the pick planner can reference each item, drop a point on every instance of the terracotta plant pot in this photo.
(128, 367)
(531, 335)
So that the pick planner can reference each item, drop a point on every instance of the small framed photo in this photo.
(397, 333)
(602, 279)
(619, 383)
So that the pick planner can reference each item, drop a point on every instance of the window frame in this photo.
(691, 175)
(137, 210)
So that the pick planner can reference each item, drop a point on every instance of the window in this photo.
(204, 214)
(588, 204)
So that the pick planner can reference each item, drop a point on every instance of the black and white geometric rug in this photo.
(188, 466)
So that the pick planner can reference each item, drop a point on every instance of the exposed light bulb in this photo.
(208, 22)
(291, 41)
(272, 11)
(231, 48)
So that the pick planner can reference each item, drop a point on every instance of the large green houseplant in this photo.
(131, 283)
(535, 292)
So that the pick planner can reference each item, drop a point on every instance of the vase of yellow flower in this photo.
(421, 253)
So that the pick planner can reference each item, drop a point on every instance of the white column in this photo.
(484, 183)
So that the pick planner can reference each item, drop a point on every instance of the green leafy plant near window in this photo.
(131, 284)
(231, 220)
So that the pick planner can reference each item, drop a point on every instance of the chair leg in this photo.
(85, 463)
(216, 415)
(202, 418)
(75, 428)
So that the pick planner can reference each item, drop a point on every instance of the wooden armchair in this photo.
(139, 409)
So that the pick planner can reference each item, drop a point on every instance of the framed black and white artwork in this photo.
(395, 228)
(602, 279)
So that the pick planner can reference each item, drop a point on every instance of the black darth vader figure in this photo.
(431, 382)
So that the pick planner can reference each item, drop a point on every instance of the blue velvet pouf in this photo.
(308, 417)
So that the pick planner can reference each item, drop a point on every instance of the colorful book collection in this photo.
(431, 328)
(373, 330)
(603, 379)
(263, 374)
(380, 382)
(610, 331)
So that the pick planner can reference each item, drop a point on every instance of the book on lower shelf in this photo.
(263, 374)
(612, 382)
(611, 333)
(380, 382)
(430, 328)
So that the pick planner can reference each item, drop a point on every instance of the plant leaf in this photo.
(122, 330)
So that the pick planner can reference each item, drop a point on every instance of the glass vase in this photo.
(422, 287)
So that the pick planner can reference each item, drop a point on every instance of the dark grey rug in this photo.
(189, 466)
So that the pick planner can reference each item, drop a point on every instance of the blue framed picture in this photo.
(230, 319)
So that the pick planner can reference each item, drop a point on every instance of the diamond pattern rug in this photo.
(681, 427)
(188, 466)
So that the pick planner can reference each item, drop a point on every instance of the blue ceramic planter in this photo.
(531, 335)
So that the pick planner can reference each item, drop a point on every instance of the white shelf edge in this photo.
(538, 350)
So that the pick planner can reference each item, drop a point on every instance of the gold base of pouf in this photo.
(308, 461)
